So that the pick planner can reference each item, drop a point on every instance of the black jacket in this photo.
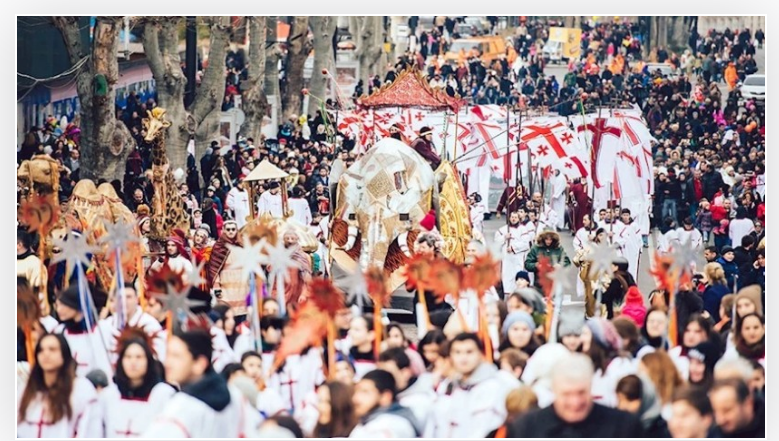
(712, 182)
(602, 422)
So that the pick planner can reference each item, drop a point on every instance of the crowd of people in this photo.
(685, 361)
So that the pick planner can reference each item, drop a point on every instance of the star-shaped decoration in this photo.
(684, 257)
(280, 260)
(356, 288)
(179, 304)
(75, 249)
(249, 258)
(193, 277)
(118, 236)
(602, 256)
(564, 279)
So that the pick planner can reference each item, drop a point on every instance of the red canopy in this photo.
(410, 89)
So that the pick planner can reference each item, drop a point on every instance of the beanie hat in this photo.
(70, 298)
(98, 378)
(428, 222)
(726, 249)
(753, 293)
(634, 308)
(707, 353)
(425, 131)
(518, 317)
(205, 227)
(522, 275)
(604, 333)
(533, 298)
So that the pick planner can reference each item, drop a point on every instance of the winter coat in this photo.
(712, 297)
(555, 253)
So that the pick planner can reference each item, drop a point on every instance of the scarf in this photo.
(219, 254)
(753, 352)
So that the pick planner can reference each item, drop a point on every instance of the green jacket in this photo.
(554, 254)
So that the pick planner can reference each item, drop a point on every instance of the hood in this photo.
(484, 372)
(542, 236)
(211, 389)
(634, 297)
(399, 411)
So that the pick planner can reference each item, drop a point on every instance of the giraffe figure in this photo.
(168, 210)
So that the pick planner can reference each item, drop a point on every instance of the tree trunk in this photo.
(272, 54)
(201, 120)
(362, 28)
(323, 29)
(105, 141)
(207, 107)
(298, 48)
(255, 103)
(161, 45)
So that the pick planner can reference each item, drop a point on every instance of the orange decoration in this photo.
(418, 270)
(544, 270)
(446, 278)
(325, 296)
(482, 275)
(308, 329)
(161, 280)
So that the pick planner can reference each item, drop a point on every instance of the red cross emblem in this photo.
(568, 165)
(128, 433)
(599, 129)
(567, 138)
(543, 150)
(419, 116)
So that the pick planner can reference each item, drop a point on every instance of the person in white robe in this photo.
(477, 401)
(54, 364)
(206, 407)
(88, 344)
(299, 376)
(628, 238)
(380, 414)
(138, 394)
(136, 318)
(270, 202)
(513, 240)
(415, 393)
(740, 226)
(689, 236)
(478, 210)
(301, 211)
(237, 202)
(559, 194)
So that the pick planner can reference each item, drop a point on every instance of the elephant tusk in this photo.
(352, 238)
(403, 242)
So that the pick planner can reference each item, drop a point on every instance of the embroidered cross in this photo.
(567, 138)
(599, 129)
(290, 383)
(128, 433)
(41, 423)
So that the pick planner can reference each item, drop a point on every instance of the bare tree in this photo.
(323, 29)
(201, 119)
(105, 141)
(272, 54)
(370, 41)
(298, 49)
(255, 103)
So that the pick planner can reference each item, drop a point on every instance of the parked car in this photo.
(665, 69)
(753, 88)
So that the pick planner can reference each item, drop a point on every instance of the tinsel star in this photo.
(249, 258)
(356, 288)
(564, 279)
(280, 260)
(193, 277)
(602, 257)
(178, 303)
(118, 236)
(684, 257)
(75, 249)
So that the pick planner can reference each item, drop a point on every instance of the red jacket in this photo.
(761, 212)
(718, 213)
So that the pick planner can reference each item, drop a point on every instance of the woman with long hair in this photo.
(696, 331)
(716, 288)
(336, 411)
(429, 346)
(55, 403)
(138, 393)
(750, 338)
(659, 367)
(654, 333)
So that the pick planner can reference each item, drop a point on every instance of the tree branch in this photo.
(151, 46)
(71, 34)
(210, 93)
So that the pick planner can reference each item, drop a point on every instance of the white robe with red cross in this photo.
(300, 375)
(90, 350)
(85, 421)
(129, 418)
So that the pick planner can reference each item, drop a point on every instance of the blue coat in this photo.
(731, 271)
(712, 297)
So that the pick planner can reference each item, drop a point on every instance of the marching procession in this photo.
(360, 274)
